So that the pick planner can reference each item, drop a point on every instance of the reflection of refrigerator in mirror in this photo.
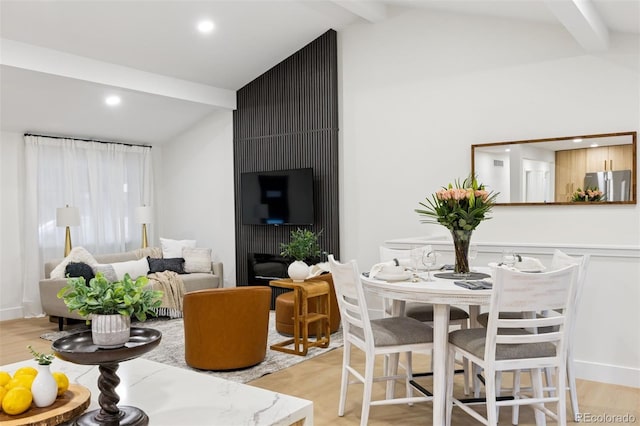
(616, 185)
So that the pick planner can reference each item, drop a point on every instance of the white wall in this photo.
(194, 188)
(11, 176)
(418, 89)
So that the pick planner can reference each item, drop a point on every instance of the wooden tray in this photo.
(66, 407)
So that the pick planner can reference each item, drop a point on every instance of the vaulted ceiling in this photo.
(60, 59)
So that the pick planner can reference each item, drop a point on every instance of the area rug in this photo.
(171, 349)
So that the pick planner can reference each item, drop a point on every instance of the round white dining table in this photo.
(441, 293)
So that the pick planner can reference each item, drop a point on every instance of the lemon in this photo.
(25, 370)
(4, 378)
(3, 392)
(62, 380)
(17, 400)
(24, 381)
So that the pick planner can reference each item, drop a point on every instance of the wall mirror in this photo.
(553, 170)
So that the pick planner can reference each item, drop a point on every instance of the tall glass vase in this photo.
(461, 241)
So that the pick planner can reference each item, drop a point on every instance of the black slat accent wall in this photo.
(286, 119)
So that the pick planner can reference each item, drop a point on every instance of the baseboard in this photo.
(607, 373)
(10, 313)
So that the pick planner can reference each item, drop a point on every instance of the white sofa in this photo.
(56, 308)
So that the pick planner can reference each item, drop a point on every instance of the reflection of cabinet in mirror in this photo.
(550, 170)
(572, 166)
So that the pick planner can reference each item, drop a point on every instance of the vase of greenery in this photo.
(302, 246)
(44, 388)
(460, 207)
(110, 305)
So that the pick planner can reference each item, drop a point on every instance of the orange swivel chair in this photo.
(226, 328)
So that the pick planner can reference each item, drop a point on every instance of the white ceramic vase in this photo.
(44, 387)
(110, 331)
(298, 271)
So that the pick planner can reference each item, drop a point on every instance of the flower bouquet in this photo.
(460, 207)
(589, 194)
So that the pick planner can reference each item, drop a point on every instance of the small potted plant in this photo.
(44, 388)
(303, 246)
(110, 305)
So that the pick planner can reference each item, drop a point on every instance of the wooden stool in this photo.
(315, 293)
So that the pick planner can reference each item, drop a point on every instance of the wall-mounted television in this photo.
(279, 197)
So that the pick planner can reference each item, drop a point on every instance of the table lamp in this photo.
(144, 215)
(67, 216)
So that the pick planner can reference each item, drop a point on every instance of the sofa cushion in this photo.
(79, 269)
(173, 248)
(175, 264)
(77, 254)
(134, 268)
(197, 259)
(107, 270)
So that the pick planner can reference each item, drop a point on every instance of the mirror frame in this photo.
(634, 195)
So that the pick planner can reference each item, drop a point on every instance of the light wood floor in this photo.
(318, 379)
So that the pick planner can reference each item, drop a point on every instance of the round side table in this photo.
(79, 349)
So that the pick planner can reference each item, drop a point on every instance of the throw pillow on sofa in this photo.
(135, 268)
(173, 248)
(77, 254)
(107, 270)
(79, 269)
(175, 264)
(197, 259)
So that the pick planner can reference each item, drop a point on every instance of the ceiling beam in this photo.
(584, 23)
(370, 11)
(49, 61)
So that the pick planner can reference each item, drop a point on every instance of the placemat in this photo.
(454, 276)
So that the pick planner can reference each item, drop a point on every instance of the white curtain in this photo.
(105, 181)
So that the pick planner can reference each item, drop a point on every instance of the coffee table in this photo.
(176, 396)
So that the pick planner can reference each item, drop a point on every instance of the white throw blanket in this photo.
(172, 288)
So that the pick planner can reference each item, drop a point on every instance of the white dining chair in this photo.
(385, 336)
(511, 344)
(559, 260)
(423, 312)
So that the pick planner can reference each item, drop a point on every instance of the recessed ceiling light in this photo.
(507, 150)
(594, 145)
(112, 100)
(205, 26)
(577, 140)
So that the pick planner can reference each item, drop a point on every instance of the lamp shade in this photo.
(144, 214)
(67, 216)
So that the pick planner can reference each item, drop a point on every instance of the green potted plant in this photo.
(110, 305)
(302, 246)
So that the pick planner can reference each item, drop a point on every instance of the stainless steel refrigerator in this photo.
(616, 185)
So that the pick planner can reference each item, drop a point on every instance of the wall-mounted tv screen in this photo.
(280, 197)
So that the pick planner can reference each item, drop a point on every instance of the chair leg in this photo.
(498, 390)
(451, 361)
(490, 393)
(409, 375)
(561, 385)
(367, 391)
(465, 363)
(549, 379)
(60, 323)
(515, 410)
(573, 392)
(538, 392)
(346, 360)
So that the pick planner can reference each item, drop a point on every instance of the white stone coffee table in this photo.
(175, 396)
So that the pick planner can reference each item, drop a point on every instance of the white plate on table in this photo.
(393, 277)
(531, 270)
